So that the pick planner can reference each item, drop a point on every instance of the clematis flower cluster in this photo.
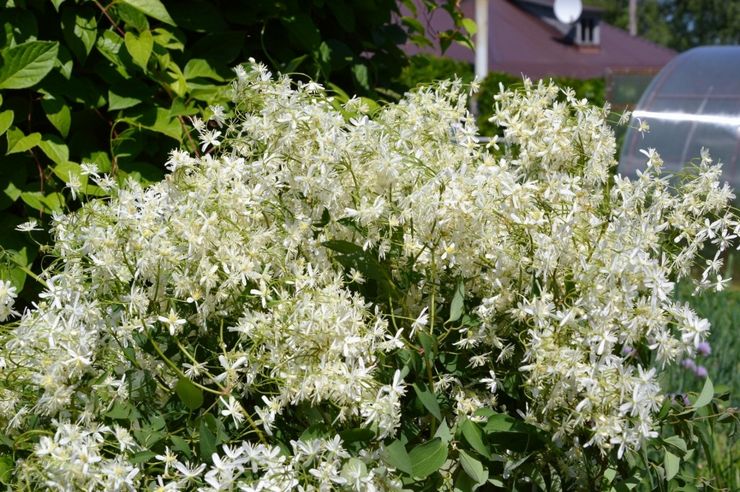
(280, 275)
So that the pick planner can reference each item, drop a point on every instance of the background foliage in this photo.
(115, 83)
(679, 24)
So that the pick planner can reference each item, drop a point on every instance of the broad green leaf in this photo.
(132, 17)
(443, 432)
(139, 47)
(302, 30)
(473, 467)
(671, 464)
(7, 465)
(469, 25)
(6, 119)
(474, 436)
(197, 67)
(396, 456)
(676, 445)
(35, 200)
(428, 399)
(155, 119)
(427, 458)
(179, 444)
(500, 422)
(54, 148)
(191, 395)
(153, 8)
(54, 202)
(706, 394)
(57, 4)
(116, 101)
(58, 114)
(456, 308)
(208, 430)
(67, 170)
(26, 64)
(361, 74)
(80, 30)
(18, 142)
(142, 457)
(120, 411)
(178, 84)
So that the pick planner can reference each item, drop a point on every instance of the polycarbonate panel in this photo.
(693, 102)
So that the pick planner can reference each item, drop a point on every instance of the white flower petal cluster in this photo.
(245, 269)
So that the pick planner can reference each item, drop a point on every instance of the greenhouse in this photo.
(693, 102)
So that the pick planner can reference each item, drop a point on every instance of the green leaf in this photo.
(116, 101)
(200, 68)
(7, 465)
(191, 395)
(443, 432)
(361, 75)
(6, 119)
(58, 114)
(676, 445)
(473, 467)
(427, 458)
(456, 308)
(54, 148)
(80, 30)
(428, 399)
(469, 25)
(671, 464)
(139, 47)
(153, 8)
(26, 64)
(395, 455)
(706, 394)
(18, 142)
(120, 411)
(474, 436)
(179, 444)
(208, 430)
(302, 30)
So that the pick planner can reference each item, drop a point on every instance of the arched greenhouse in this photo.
(693, 102)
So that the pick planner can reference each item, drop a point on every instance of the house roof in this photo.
(522, 43)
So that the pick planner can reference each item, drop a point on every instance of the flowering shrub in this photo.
(330, 299)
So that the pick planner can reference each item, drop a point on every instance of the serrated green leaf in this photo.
(153, 8)
(27, 64)
(139, 47)
(428, 399)
(473, 467)
(18, 142)
(458, 301)
(396, 456)
(671, 464)
(6, 119)
(474, 436)
(191, 395)
(706, 394)
(427, 458)
(54, 148)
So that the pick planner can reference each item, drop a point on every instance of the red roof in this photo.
(522, 43)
